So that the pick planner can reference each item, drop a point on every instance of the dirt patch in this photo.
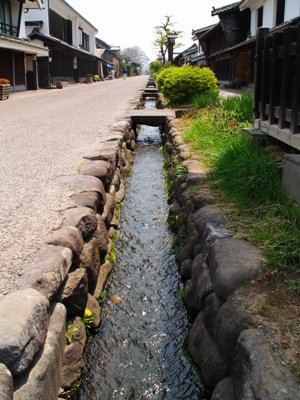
(275, 306)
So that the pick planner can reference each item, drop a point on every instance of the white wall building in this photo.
(270, 13)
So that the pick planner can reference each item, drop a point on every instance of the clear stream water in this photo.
(137, 351)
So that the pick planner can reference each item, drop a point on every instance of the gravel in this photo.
(45, 134)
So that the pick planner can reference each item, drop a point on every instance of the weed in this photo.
(111, 256)
(88, 317)
(208, 99)
(71, 330)
(241, 107)
(182, 294)
(102, 297)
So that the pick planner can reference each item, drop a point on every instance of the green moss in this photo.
(71, 330)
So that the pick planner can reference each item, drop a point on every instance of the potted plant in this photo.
(4, 88)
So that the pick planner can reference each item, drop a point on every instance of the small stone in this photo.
(93, 306)
(73, 293)
(208, 214)
(92, 200)
(90, 261)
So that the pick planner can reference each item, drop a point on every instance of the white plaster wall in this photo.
(292, 9)
(269, 16)
(38, 15)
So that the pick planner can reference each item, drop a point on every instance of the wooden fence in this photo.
(277, 84)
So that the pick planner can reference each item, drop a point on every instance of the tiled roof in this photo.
(202, 30)
(216, 11)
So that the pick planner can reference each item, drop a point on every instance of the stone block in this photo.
(291, 175)
(186, 269)
(92, 200)
(120, 195)
(90, 261)
(48, 270)
(93, 305)
(83, 218)
(101, 235)
(83, 183)
(6, 383)
(211, 308)
(23, 329)
(100, 169)
(73, 293)
(233, 263)
(205, 353)
(208, 214)
(109, 209)
(257, 372)
(201, 284)
(230, 321)
(104, 273)
(43, 380)
(224, 390)
(69, 237)
(73, 360)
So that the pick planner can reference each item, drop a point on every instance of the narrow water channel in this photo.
(137, 352)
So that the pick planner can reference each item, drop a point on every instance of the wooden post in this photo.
(261, 33)
(275, 76)
(265, 79)
(285, 78)
(294, 127)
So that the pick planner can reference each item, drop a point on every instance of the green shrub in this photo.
(208, 99)
(164, 74)
(183, 84)
(155, 67)
(240, 106)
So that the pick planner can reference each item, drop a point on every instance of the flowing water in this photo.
(137, 352)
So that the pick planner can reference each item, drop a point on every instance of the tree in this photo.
(136, 54)
(161, 32)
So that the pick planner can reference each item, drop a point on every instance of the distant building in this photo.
(18, 54)
(185, 57)
(111, 59)
(70, 39)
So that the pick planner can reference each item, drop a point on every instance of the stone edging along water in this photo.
(235, 360)
(69, 274)
(39, 359)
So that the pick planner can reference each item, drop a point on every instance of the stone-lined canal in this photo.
(137, 352)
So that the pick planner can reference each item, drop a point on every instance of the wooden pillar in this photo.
(261, 33)
(294, 127)
(275, 76)
(285, 78)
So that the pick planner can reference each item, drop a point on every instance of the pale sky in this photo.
(131, 23)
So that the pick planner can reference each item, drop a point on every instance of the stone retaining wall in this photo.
(235, 359)
(39, 359)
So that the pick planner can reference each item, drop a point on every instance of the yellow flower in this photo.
(88, 313)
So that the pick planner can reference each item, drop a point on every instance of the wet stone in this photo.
(224, 390)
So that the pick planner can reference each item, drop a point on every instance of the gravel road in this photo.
(44, 134)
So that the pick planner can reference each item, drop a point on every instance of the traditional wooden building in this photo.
(18, 54)
(185, 57)
(216, 41)
(70, 39)
(111, 59)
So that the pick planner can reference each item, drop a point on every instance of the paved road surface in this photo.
(43, 135)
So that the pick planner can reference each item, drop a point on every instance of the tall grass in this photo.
(240, 106)
(211, 98)
(249, 178)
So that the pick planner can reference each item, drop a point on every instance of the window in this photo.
(260, 14)
(6, 27)
(280, 11)
(84, 40)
